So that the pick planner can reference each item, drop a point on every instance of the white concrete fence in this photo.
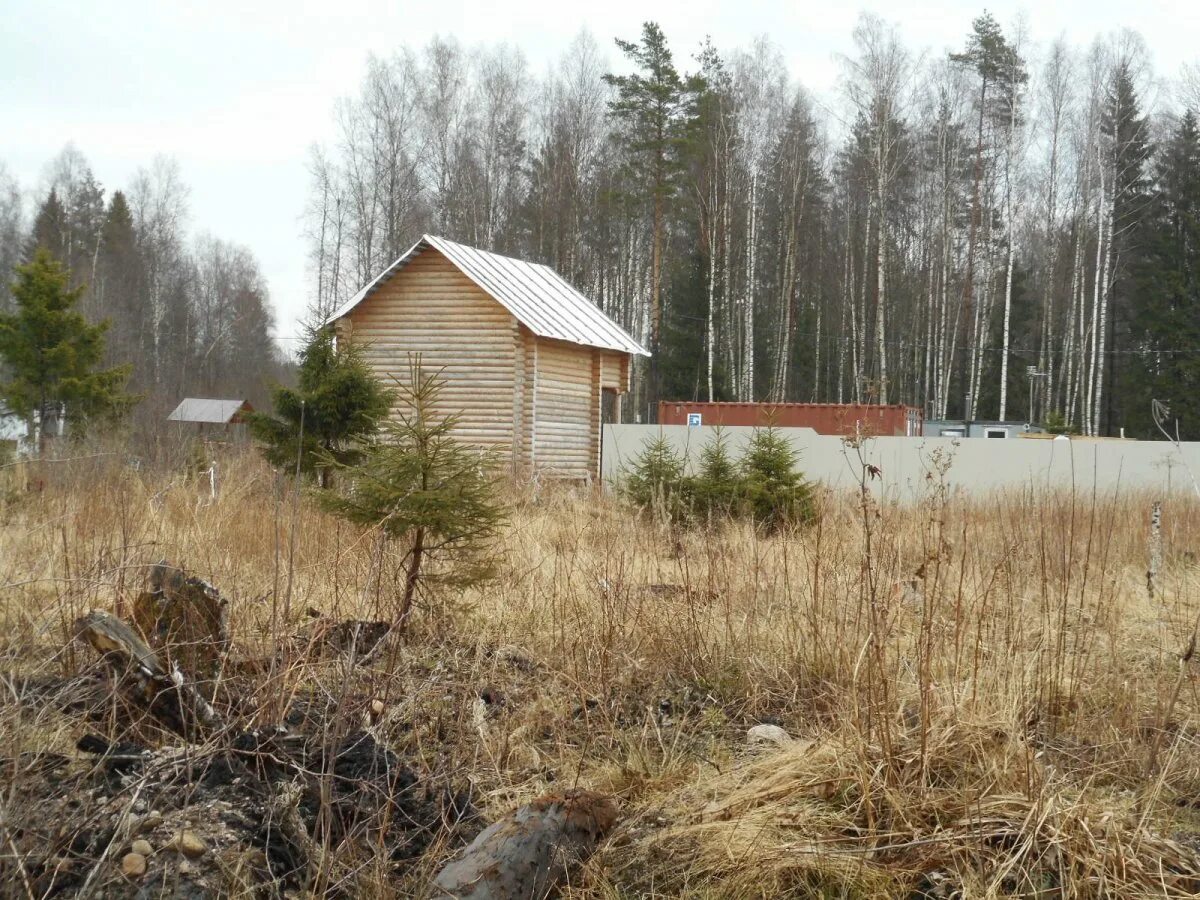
(975, 465)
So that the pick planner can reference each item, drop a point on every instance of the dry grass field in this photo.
(982, 698)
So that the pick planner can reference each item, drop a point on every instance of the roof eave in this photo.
(369, 288)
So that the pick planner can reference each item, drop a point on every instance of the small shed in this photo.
(531, 367)
(979, 428)
(13, 428)
(213, 418)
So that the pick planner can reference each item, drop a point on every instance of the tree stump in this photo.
(184, 619)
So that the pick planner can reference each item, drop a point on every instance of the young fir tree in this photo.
(718, 484)
(425, 491)
(773, 490)
(52, 355)
(330, 418)
(658, 481)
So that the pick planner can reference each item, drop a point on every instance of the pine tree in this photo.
(85, 211)
(331, 417)
(655, 106)
(1001, 75)
(715, 140)
(52, 354)
(425, 490)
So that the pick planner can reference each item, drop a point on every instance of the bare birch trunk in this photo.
(860, 318)
(1090, 402)
(748, 309)
(1008, 283)
(1102, 327)
(881, 294)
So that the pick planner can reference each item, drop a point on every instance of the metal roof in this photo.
(540, 299)
(209, 412)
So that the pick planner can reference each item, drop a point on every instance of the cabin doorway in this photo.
(610, 410)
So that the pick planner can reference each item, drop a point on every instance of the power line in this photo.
(921, 345)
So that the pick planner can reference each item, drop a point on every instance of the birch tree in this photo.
(877, 84)
(11, 233)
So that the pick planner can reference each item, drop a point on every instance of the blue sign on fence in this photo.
(693, 420)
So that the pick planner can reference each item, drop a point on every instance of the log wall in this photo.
(431, 308)
(562, 430)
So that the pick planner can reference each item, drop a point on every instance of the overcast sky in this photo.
(239, 91)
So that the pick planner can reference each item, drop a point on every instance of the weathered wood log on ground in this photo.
(143, 679)
(531, 851)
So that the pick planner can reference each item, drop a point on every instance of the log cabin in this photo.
(530, 366)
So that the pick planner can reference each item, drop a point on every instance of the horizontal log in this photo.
(431, 317)
(571, 393)
(560, 417)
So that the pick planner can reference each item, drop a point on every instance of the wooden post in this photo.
(533, 409)
(1154, 545)
(596, 417)
(519, 388)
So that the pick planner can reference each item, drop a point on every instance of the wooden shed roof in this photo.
(540, 299)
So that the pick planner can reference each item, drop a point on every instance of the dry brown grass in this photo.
(977, 686)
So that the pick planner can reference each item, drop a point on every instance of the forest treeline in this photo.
(191, 316)
(945, 224)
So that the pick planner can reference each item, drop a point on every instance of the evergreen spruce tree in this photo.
(425, 491)
(682, 351)
(1165, 277)
(120, 289)
(718, 484)
(50, 229)
(657, 480)
(774, 491)
(330, 418)
(1130, 149)
(52, 355)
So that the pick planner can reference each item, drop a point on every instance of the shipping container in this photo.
(824, 418)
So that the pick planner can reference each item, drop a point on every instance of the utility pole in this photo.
(1033, 374)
